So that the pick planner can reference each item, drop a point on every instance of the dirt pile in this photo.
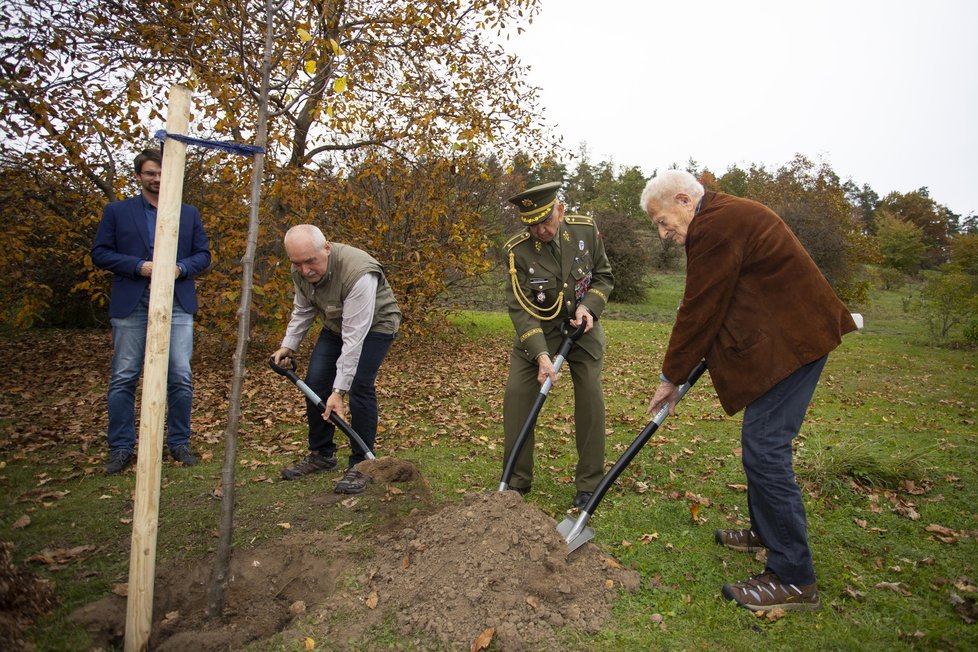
(492, 562)
(491, 566)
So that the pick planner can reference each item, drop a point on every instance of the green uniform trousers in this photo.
(522, 390)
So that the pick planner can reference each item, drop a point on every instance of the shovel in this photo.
(531, 420)
(576, 533)
(319, 403)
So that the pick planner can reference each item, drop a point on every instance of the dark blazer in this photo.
(122, 244)
(756, 306)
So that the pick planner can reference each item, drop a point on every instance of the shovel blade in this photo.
(582, 537)
(574, 540)
(565, 526)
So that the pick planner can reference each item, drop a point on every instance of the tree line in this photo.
(397, 126)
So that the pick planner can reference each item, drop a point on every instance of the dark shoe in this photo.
(581, 498)
(184, 455)
(313, 463)
(766, 591)
(742, 540)
(119, 460)
(521, 490)
(352, 482)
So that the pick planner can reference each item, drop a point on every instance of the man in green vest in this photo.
(558, 272)
(347, 289)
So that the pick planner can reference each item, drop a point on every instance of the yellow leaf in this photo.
(372, 600)
(483, 640)
(339, 84)
(285, 526)
(337, 50)
(310, 67)
(304, 35)
(310, 644)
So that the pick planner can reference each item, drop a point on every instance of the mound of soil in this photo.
(493, 562)
(492, 566)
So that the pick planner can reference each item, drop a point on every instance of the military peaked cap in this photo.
(535, 203)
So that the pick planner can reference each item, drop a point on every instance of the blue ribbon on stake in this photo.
(233, 148)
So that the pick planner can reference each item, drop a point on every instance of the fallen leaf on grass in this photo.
(896, 587)
(737, 487)
(774, 614)
(940, 529)
(350, 503)
(310, 644)
(861, 522)
(648, 538)
(853, 593)
(372, 600)
(694, 511)
(285, 526)
(121, 589)
(21, 522)
(60, 555)
(342, 525)
(171, 617)
(532, 601)
(483, 640)
(966, 607)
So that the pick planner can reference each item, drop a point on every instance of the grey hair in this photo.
(309, 231)
(666, 185)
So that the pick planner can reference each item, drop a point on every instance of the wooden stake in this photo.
(142, 557)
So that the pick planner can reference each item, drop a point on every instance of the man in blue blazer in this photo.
(124, 246)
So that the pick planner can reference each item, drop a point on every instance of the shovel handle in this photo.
(531, 420)
(289, 372)
(637, 445)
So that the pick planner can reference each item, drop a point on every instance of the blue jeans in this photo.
(129, 350)
(363, 393)
(774, 499)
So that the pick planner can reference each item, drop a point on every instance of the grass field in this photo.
(887, 461)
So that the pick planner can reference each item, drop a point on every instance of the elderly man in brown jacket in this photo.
(761, 313)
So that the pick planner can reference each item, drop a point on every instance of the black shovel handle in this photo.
(639, 443)
(531, 420)
(289, 372)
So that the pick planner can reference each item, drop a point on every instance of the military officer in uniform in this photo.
(558, 271)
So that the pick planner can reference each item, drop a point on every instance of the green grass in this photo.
(889, 448)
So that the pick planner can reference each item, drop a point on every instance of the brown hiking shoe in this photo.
(742, 540)
(313, 463)
(766, 591)
(352, 482)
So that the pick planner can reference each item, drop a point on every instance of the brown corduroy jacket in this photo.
(756, 306)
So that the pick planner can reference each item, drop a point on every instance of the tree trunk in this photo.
(220, 572)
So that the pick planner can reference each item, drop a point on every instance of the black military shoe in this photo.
(581, 498)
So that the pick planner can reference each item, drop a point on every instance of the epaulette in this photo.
(579, 219)
(515, 240)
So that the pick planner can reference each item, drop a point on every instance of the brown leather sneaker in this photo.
(766, 591)
(742, 540)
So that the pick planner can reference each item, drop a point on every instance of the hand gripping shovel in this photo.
(312, 396)
(531, 420)
(576, 533)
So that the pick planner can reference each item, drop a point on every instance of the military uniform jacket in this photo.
(756, 305)
(542, 293)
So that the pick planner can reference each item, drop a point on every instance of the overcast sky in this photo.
(886, 92)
